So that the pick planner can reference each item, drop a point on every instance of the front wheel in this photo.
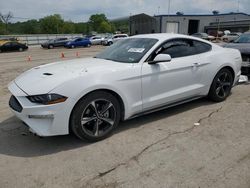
(221, 85)
(95, 116)
(20, 49)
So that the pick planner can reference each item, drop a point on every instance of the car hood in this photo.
(244, 48)
(44, 78)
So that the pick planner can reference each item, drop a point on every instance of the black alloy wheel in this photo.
(221, 86)
(95, 116)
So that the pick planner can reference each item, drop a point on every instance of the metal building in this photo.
(188, 24)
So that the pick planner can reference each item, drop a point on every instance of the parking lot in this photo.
(198, 144)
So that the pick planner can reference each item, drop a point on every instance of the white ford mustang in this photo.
(134, 76)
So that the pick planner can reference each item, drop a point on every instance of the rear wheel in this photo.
(20, 49)
(72, 46)
(95, 116)
(51, 46)
(221, 85)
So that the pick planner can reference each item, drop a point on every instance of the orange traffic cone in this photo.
(29, 58)
(77, 54)
(62, 55)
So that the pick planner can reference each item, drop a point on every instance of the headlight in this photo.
(47, 99)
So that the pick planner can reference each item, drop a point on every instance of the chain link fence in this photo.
(39, 38)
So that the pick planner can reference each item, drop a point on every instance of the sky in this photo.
(80, 10)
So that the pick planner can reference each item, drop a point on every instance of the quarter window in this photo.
(183, 47)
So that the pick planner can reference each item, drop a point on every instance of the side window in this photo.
(177, 48)
(184, 47)
(201, 47)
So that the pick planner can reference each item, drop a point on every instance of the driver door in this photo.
(168, 82)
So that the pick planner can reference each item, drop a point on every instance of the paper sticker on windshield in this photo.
(137, 50)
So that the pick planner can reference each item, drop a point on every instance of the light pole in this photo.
(238, 10)
(168, 12)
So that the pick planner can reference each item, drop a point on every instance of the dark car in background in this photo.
(78, 42)
(8, 46)
(58, 42)
(243, 45)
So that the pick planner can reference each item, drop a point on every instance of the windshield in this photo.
(128, 50)
(244, 38)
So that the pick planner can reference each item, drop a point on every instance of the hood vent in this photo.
(47, 74)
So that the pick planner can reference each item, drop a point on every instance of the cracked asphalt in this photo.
(198, 144)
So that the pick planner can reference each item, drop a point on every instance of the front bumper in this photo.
(44, 120)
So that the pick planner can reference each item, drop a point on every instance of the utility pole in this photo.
(238, 10)
(168, 12)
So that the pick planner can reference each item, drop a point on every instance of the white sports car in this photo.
(135, 76)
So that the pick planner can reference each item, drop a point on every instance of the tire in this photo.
(110, 43)
(72, 46)
(50, 46)
(20, 49)
(95, 116)
(88, 45)
(221, 85)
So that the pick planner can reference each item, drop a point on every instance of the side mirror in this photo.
(161, 58)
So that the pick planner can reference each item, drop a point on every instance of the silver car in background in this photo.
(96, 40)
(230, 37)
(110, 40)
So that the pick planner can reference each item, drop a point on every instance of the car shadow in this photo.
(16, 140)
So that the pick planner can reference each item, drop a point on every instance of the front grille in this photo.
(14, 104)
(245, 57)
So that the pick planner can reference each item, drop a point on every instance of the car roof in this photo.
(164, 36)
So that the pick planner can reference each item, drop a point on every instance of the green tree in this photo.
(5, 18)
(104, 27)
(52, 24)
(100, 23)
(81, 28)
(30, 27)
(2, 29)
(121, 25)
(68, 27)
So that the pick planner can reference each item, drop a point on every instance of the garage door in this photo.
(172, 27)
